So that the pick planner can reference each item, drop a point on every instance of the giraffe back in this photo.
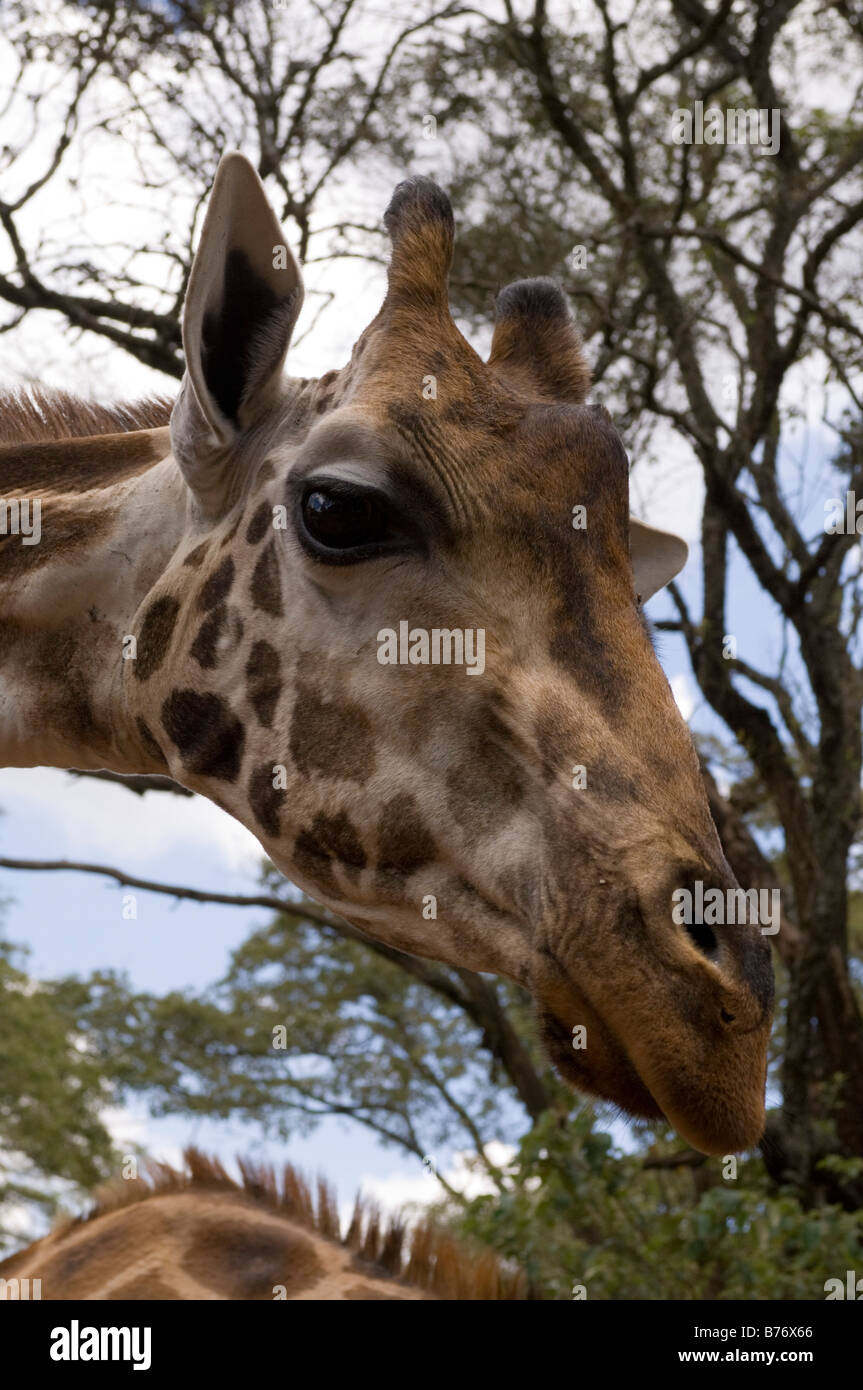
(198, 1234)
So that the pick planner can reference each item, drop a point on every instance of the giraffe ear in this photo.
(536, 346)
(244, 294)
(657, 556)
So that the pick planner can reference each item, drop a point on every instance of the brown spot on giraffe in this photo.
(266, 589)
(195, 558)
(486, 784)
(260, 523)
(237, 1260)
(208, 736)
(205, 646)
(217, 586)
(331, 738)
(220, 633)
(313, 862)
(264, 681)
(154, 639)
(405, 843)
(330, 838)
(78, 1266)
(615, 783)
(266, 798)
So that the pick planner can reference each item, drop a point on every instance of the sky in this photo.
(74, 922)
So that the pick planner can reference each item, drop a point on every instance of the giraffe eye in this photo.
(341, 522)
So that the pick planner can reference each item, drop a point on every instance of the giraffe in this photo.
(195, 1233)
(214, 588)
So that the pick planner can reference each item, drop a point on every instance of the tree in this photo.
(52, 1096)
(298, 87)
(310, 1022)
(584, 1219)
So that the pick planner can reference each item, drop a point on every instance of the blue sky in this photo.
(73, 924)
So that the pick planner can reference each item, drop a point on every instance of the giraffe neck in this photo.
(67, 602)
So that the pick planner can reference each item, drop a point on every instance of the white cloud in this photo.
(82, 818)
(671, 494)
(684, 692)
(466, 1174)
(131, 1129)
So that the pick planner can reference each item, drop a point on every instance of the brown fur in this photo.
(53, 441)
(382, 1257)
(536, 346)
(37, 414)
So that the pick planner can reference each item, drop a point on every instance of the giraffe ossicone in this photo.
(256, 538)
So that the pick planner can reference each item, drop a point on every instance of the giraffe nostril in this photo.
(702, 936)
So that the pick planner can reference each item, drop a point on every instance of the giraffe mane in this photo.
(42, 414)
(421, 1255)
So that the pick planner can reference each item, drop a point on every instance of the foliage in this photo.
(52, 1093)
(580, 1212)
(306, 1024)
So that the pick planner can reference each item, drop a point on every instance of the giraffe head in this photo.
(401, 639)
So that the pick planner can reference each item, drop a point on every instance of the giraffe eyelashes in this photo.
(341, 523)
